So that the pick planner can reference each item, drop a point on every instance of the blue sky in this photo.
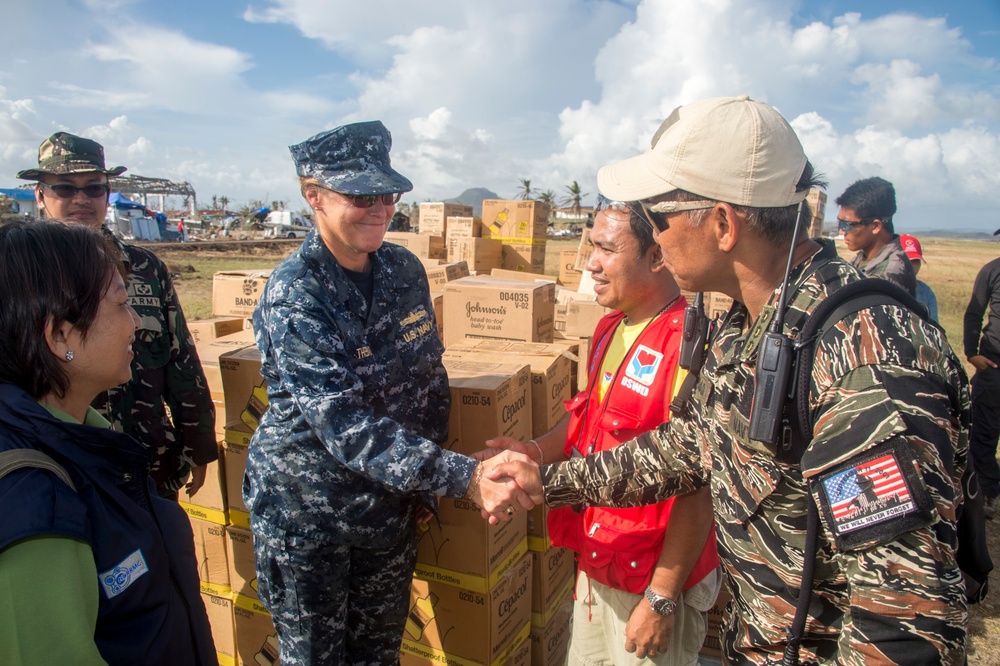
(482, 94)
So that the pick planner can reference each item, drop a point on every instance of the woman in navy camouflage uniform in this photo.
(345, 460)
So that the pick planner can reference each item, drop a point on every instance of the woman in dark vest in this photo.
(94, 567)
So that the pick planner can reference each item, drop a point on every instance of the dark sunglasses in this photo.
(64, 191)
(368, 200)
(847, 225)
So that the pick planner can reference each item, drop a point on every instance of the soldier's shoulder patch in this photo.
(874, 497)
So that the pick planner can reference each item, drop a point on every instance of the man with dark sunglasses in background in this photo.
(72, 184)
(865, 219)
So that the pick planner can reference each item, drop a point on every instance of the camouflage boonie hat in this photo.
(65, 153)
(352, 159)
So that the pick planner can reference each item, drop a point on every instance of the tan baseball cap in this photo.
(65, 153)
(731, 149)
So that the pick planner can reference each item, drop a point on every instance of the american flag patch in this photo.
(867, 494)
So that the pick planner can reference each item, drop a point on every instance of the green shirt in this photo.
(50, 594)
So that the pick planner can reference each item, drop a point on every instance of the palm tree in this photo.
(525, 192)
(575, 197)
(215, 202)
(223, 200)
(548, 197)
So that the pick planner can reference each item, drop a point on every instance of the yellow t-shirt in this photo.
(621, 342)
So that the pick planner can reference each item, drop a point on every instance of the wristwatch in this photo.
(661, 605)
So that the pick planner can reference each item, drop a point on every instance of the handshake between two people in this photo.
(505, 480)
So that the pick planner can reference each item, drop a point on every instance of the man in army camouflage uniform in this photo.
(721, 182)
(345, 462)
(865, 219)
(73, 185)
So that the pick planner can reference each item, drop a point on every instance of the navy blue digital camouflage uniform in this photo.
(345, 453)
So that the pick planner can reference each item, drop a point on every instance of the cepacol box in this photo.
(485, 307)
(487, 400)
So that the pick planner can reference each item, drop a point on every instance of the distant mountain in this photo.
(474, 197)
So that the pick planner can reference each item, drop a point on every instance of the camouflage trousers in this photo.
(334, 604)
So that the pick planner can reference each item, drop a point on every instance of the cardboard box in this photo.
(526, 255)
(209, 503)
(206, 330)
(430, 246)
(487, 400)
(583, 250)
(515, 220)
(716, 304)
(236, 293)
(467, 551)
(481, 254)
(538, 528)
(521, 276)
(464, 227)
(220, 618)
(553, 374)
(245, 390)
(816, 201)
(713, 637)
(242, 570)
(551, 631)
(480, 307)
(256, 640)
(234, 453)
(434, 216)
(437, 298)
(210, 553)
(551, 577)
(448, 623)
(582, 317)
(438, 276)
(209, 353)
(569, 276)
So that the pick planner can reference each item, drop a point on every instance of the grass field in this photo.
(950, 269)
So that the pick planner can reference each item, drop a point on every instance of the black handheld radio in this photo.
(694, 335)
(774, 363)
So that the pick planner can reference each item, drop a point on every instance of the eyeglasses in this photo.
(657, 213)
(603, 203)
(847, 225)
(64, 191)
(368, 200)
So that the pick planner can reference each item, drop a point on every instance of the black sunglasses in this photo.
(64, 191)
(847, 225)
(368, 200)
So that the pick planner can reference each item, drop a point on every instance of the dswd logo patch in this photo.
(643, 365)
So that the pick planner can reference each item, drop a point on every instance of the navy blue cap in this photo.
(353, 159)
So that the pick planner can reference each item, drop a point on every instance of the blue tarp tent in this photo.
(118, 200)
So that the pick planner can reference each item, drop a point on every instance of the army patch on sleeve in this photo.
(874, 497)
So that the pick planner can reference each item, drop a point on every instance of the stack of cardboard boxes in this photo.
(521, 227)
(241, 628)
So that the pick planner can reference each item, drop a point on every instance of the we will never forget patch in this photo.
(874, 497)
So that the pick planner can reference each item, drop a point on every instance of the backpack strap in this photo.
(843, 302)
(14, 459)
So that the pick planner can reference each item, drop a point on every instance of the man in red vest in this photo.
(646, 575)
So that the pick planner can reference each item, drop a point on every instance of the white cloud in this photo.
(482, 94)
(868, 97)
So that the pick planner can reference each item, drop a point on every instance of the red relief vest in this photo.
(620, 547)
